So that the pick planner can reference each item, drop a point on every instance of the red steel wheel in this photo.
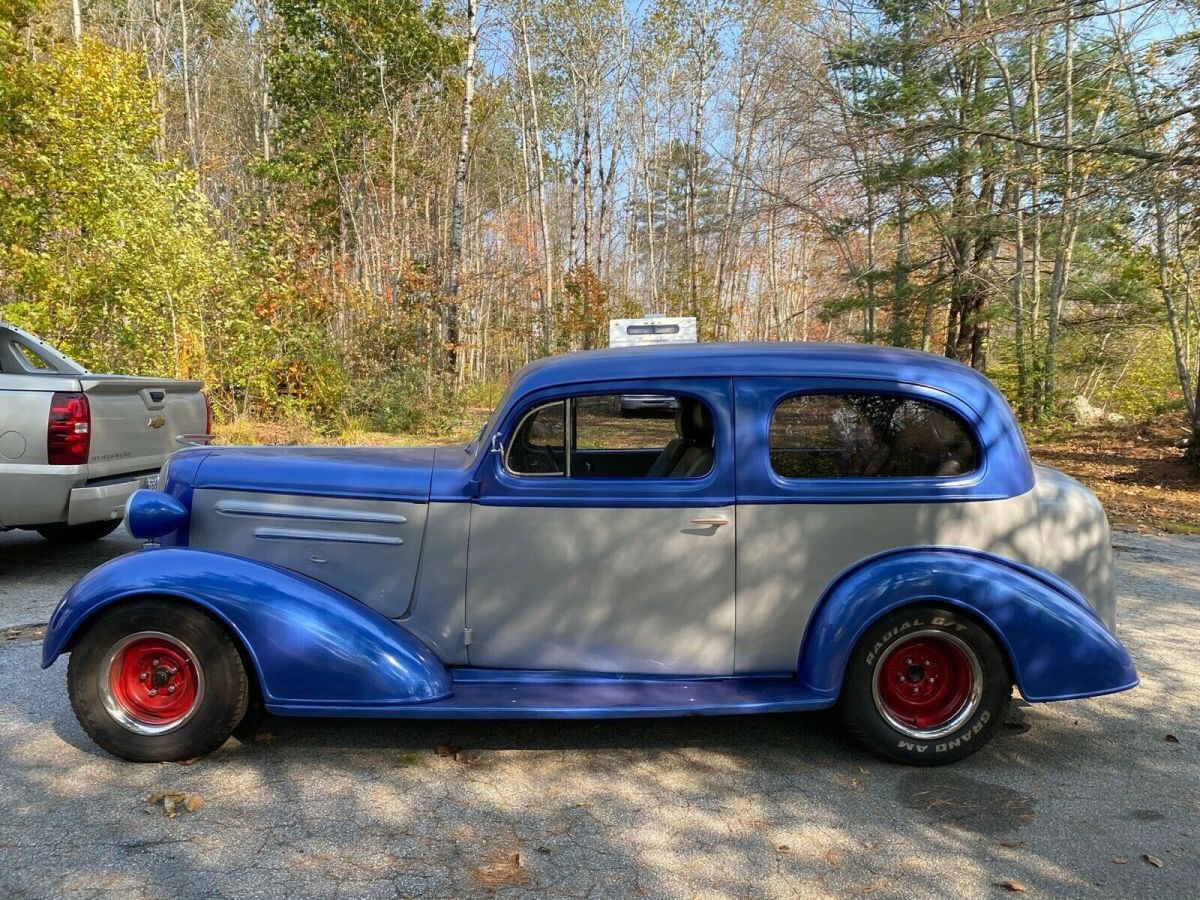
(151, 682)
(928, 685)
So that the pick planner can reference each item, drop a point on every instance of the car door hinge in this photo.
(467, 637)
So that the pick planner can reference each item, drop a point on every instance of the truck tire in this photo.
(157, 680)
(79, 534)
(925, 686)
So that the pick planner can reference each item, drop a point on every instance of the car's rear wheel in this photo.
(925, 686)
(79, 534)
(156, 680)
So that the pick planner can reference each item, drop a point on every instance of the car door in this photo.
(604, 542)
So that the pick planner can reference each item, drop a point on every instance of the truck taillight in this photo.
(207, 413)
(69, 431)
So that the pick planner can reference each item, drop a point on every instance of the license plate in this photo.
(152, 482)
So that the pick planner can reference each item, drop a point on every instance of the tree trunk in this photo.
(450, 307)
(547, 299)
(1058, 280)
(188, 106)
(158, 71)
(901, 325)
(692, 219)
(1035, 205)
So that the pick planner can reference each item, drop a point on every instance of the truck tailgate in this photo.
(135, 421)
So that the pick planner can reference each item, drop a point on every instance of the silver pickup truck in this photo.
(74, 445)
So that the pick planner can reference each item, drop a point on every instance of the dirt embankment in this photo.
(1138, 471)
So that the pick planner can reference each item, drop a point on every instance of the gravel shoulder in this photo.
(1070, 800)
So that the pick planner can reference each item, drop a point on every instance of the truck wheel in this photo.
(152, 681)
(925, 686)
(79, 534)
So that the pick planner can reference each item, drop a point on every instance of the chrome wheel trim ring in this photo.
(966, 711)
(117, 710)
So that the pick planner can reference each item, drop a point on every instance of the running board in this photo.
(495, 694)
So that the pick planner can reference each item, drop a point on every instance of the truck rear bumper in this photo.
(101, 503)
(34, 495)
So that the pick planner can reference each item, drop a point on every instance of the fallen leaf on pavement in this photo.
(1012, 845)
(1120, 860)
(1015, 886)
(25, 632)
(501, 869)
(190, 761)
(1153, 860)
(172, 800)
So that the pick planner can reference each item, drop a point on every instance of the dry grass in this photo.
(502, 868)
(253, 432)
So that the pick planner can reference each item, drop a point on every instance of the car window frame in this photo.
(966, 425)
(567, 428)
(1004, 468)
(493, 485)
(569, 425)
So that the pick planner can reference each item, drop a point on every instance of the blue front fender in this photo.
(1056, 645)
(314, 649)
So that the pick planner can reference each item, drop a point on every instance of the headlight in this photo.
(151, 514)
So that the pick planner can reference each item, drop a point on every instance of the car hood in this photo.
(386, 473)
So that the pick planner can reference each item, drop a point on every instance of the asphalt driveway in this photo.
(34, 573)
(1089, 798)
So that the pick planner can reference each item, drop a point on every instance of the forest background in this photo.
(350, 216)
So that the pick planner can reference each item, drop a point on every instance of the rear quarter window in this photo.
(861, 435)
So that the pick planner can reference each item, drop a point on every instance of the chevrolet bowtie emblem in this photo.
(156, 422)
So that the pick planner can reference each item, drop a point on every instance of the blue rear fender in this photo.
(1057, 647)
(311, 646)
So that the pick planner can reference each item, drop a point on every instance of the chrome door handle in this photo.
(713, 522)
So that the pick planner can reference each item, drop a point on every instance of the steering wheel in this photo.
(546, 463)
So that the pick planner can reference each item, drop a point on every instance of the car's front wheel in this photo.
(925, 686)
(152, 681)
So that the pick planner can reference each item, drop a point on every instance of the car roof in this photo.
(777, 359)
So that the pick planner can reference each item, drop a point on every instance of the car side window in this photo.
(628, 422)
(849, 435)
(540, 444)
(642, 435)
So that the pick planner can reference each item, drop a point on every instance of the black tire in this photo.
(79, 534)
(254, 723)
(942, 723)
(218, 681)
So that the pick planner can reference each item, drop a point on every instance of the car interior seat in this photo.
(696, 426)
(691, 453)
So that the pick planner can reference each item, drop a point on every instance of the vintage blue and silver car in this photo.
(818, 526)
